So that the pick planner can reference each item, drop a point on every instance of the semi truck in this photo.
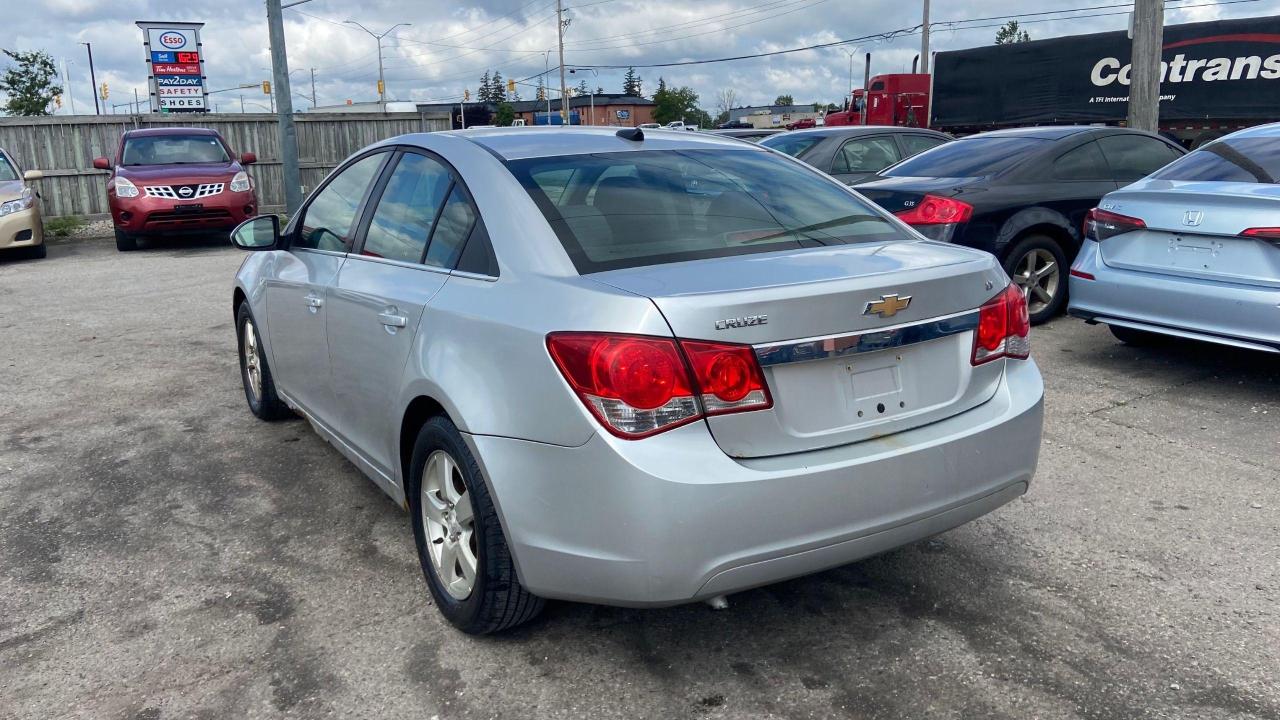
(1216, 77)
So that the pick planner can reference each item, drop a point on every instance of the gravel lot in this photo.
(165, 555)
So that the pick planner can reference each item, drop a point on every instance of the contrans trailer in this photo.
(1216, 77)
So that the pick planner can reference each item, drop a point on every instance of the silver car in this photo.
(1192, 251)
(635, 369)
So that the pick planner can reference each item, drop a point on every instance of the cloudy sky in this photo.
(449, 45)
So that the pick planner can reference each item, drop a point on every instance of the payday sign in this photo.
(175, 58)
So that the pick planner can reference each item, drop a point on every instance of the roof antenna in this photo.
(635, 134)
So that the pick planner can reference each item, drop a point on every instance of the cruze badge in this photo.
(887, 306)
(742, 322)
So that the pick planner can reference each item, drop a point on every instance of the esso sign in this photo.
(173, 40)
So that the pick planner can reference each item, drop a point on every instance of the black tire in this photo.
(38, 252)
(1137, 338)
(1015, 259)
(497, 601)
(126, 242)
(265, 404)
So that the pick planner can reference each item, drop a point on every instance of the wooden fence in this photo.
(64, 148)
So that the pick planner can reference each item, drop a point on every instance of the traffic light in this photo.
(381, 87)
(105, 91)
(466, 96)
(266, 87)
(511, 86)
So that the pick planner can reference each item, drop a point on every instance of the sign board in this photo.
(624, 114)
(175, 60)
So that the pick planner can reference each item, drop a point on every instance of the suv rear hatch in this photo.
(837, 373)
(1194, 229)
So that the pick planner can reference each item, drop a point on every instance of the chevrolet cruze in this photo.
(176, 180)
(635, 369)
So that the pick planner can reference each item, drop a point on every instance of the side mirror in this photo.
(102, 163)
(259, 233)
(248, 158)
(32, 175)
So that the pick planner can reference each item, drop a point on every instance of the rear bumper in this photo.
(672, 519)
(157, 216)
(1214, 311)
(21, 229)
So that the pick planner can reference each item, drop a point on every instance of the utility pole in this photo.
(1144, 76)
(241, 103)
(382, 85)
(66, 83)
(564, 108)
(284, 109)
(546, 92)
(93, 79)
(135, 101)
(924, 41)
(313, 88)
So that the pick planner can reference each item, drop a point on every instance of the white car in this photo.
(679, 125)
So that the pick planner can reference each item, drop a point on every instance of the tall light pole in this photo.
(851, 53)
(66, 83)
(93, 80)
(924, 41)
(284, 108)
(593, 92)
(560, 23)
(1144, 83)
(382, 85)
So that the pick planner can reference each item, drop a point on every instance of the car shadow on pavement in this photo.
(211, 241)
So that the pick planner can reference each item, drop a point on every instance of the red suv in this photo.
(176, 180)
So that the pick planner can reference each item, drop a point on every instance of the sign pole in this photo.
(284, 109)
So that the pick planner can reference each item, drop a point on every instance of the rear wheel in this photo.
(1137, 338)
(461, 548)
(1036, 264)
(125, 242)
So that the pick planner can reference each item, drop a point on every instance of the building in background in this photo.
(774, 116)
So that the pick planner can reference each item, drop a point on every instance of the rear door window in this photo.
(456, 220)
(407, 210)
(969, 157)
(1081, 163)
(793, 145)
(1246, 160)
(1133, 157)
(865, 155)
(616, 210)
(916, 144)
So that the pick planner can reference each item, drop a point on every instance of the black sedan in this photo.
(1020, 194)
(853, 153)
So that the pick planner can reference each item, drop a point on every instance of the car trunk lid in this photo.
(836, 373)
(1193, 229)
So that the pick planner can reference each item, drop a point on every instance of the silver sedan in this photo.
(1191, 251)
(635, 369)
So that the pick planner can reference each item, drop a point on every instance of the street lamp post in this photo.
(93, 80)
(593, 92)
(851, 53)
(382, 85)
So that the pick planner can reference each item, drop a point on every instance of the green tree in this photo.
(498, 87)
(784, 100)
(30, 83)
(1009, 33)
(541, 95)
(505, 116)
(582, 90)
(671, 104)
(631, 83)
(482, 91)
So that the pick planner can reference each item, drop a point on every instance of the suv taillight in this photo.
(1004, 329)
(934, 210)
(1102, 224)
(638, 385)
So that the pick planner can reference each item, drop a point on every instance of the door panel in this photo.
(296, 297)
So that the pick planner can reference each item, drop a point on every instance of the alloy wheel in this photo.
(449, 522)
(1039, 276)
(252, 360)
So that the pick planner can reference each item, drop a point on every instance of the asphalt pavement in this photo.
(163, 554)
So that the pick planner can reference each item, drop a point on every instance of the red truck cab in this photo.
(167, 181)
(900, 99)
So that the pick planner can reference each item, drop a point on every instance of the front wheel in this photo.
(461, 548)
(255, 373)
(1036, 265)
(125, 242)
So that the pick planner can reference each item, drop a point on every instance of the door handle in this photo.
(313, 301)
(390, 319)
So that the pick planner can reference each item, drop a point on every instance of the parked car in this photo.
(735, 125)
(1192, 251)
(1021, 194)
(167, 181)
(679, 125)
(852, 154)
(649, 126)
(752, 134)
(634, 370)
(21, 229)
(802, 124)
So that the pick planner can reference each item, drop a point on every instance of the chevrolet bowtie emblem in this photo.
(887, 306)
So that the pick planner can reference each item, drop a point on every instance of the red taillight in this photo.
(1102, 224)
(934, 210)
(1265, 233)
(638, 385)
(1003, 328)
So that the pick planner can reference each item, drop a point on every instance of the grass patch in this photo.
(63, 226)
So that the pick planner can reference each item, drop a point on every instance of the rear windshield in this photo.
(618, 210)
(1248, 160)
(173, 150)
(793, 145)
(971, 157)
